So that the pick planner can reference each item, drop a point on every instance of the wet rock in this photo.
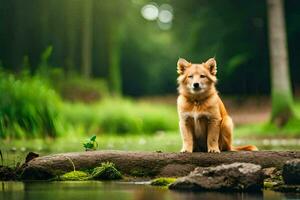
(272, 174)
(287, 188)
(291, 172)
(269, 172)
(230, 177)
(36, 173)
(30, 156)
(7, 174)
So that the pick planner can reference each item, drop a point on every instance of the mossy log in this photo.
(148, 164)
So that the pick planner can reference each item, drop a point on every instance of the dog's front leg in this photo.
(213, 136)
(186, 135)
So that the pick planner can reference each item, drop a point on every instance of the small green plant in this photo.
(106, 171)
(91, 144)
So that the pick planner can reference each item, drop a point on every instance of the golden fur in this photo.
(203, 120)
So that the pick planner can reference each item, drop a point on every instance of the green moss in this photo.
(106, 171)
(74, 176)
(269, 185)
(138, 172)
(282, 104)
(162, 181)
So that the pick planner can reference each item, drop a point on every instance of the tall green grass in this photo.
(121, 116)
(28, 107)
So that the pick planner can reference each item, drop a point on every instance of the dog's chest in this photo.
(196, 115)
(197, 120)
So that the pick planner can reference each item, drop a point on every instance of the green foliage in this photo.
(74, 176)
(235, 62)
(290, 129)
(162, 181)
(91, 144)
(106, 171)
(76, 89)
(121, 116)
(282, 105)
(28, 107)
(44, 67)
(140, 58)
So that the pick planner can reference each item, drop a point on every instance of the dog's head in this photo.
(197, 78)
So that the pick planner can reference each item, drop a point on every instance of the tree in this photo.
(282, 98)
(114, 77)
(114, 30)
(70, 38)
(87, 31)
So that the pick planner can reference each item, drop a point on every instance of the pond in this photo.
(116, 191)
(14, 151)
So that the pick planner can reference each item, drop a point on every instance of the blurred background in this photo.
(75, 68)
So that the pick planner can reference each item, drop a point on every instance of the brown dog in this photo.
(204, 123)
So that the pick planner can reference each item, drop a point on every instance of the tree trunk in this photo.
(18, 45)
(115, 81)
(282, 99)
(70, 37)
(148, 164)
(87, 35)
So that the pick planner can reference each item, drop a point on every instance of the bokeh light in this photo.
(162, 14)
(150, 11)
(165, 13)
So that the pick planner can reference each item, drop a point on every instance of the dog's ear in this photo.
(182, 64)
(211, 65)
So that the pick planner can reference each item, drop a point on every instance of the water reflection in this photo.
(117, 191)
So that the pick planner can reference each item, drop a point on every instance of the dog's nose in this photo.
(196, 85)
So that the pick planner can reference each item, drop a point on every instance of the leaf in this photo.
(88, 145)
(93, 138)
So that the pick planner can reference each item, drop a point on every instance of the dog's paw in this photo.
(214, 150)
(185, 151)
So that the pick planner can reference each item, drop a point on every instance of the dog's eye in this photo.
(202, 76)
(191, 76)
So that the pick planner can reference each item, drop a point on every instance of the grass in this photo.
(28, 107)
(266, 129)
(120, 116)
(263, 130)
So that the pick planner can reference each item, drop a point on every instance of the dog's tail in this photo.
(244, 148)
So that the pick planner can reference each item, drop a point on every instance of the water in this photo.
(117, 191)
(15, 151)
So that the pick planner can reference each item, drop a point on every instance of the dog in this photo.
(203, 120)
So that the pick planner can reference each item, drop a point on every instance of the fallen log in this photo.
(148, 164)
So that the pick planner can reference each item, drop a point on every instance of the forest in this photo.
(135, 56)
(88, 93)
(78, 67)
